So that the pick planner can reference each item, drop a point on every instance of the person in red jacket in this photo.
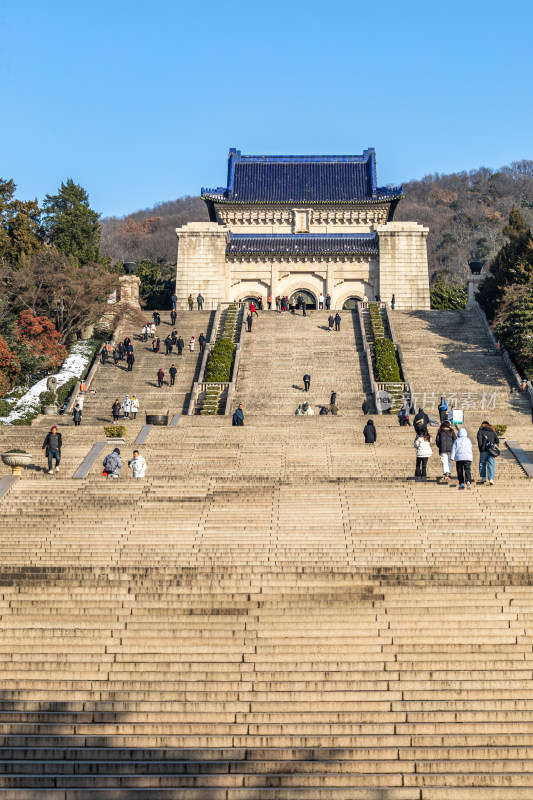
(160, 376)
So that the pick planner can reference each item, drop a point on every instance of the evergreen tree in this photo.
(20, 228)
(516, 331)
(513, 264)
(71, 225)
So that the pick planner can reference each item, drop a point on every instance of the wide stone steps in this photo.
(292, 345)
(112, 382)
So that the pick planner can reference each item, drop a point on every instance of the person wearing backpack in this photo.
(112, 464)
(487, 442)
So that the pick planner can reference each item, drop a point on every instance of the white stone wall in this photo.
(403, 265)
(201, 264)
(401, 268)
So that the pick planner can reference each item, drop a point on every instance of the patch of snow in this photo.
(73, 367)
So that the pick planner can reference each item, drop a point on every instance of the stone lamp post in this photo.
(474, 281)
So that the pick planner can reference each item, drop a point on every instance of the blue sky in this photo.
(140, 101)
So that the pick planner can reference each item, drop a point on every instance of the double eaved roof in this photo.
(305, 243)
(302, 179)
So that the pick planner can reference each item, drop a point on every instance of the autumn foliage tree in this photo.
(9, 368)
(39, 334)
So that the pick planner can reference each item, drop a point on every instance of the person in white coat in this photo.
(126, 406)
(423, 454)
(138, 465)
(307, 410)
(463, 456)
(134, 406)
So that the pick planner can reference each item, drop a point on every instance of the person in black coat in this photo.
(168, 345)
(444, 441)
(172, 372)
(52, 446)
(337, 321)
(421, 422)
(365, 407)
(179, 345)
(115, 410)
(333, 399)
(303, 306)
(202, 340)
(369, 432)
(173, 316)
(130, 360)
(486, 437)
(331, 322)
(307, 381)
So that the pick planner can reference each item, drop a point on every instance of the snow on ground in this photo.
(73, 367)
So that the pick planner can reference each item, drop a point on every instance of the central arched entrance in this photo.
(350, 303)
(309, 297)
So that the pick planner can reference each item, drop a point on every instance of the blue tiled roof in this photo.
(268, 243)
(302, 179)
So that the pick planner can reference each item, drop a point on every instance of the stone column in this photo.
(474, 282)
(273, 283)
(201, 264)
(403, 265)
(330, 281)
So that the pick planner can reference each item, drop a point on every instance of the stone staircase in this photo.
(113, 382)
(276, 612)
(282, 347)
(450, 352)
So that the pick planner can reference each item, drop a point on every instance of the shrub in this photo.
(47, 398)
(17, 450)
(445, 296)
(115, 431)
(500, 429)
(387, 369)
(220, 360)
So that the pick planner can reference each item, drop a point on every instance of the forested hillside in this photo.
(150, 233)
(465, 213)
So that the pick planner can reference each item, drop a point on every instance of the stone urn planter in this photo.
(475, 267)
(16, 461)
(130, 267)
(51, 411)
(157, 419)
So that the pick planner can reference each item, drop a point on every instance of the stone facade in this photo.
(337, 237)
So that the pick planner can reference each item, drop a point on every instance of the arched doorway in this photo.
(251, 298)
(350, 303)
(308, 296)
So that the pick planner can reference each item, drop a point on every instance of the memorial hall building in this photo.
(314, 225)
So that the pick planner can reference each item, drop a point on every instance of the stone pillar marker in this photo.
(129, 290)
(474, 281)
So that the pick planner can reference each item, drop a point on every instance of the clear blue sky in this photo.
(140, 101)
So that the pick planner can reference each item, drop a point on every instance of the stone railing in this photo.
(199, 391)
(235, 367)
(368, 354)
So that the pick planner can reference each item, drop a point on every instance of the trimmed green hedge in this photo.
(387, 368)
(220, 360)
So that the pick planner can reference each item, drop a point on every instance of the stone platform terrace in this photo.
(276, 612)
